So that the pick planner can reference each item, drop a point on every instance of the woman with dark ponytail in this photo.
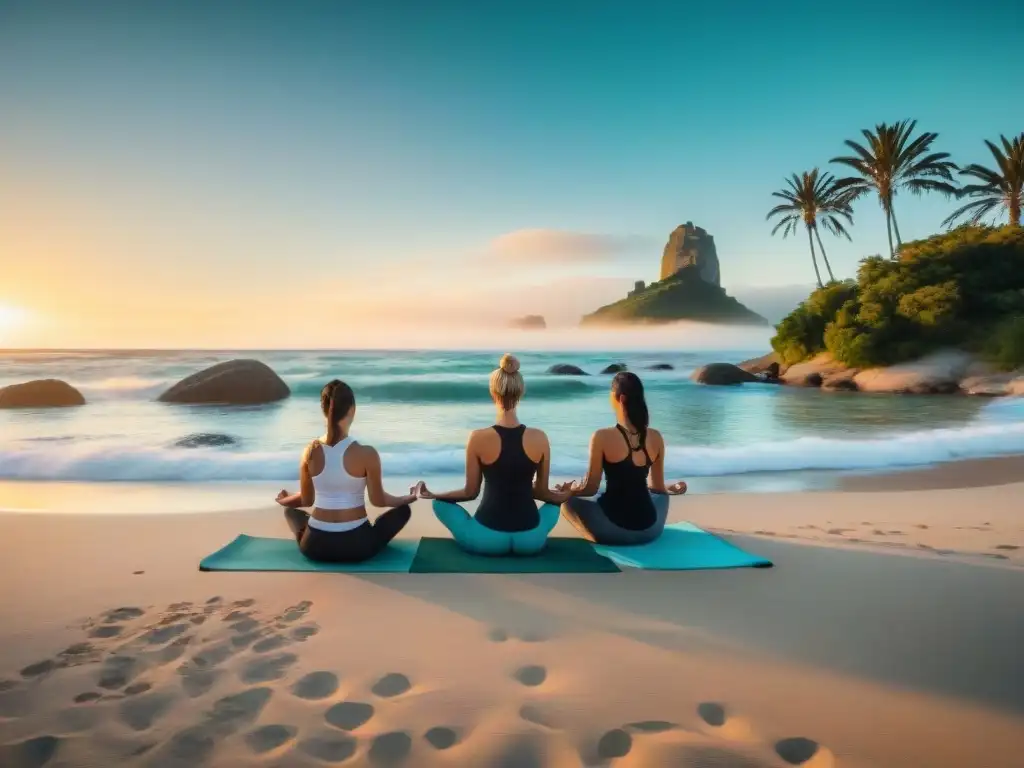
(335, 474)
(634, 506)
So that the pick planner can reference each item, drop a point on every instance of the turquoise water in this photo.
(416, 408)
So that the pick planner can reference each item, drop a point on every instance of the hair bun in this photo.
(509, 363)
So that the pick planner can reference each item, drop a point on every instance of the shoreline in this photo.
(701, 659)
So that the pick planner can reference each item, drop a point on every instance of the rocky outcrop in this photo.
(236, 382)
(42, 393)
(529, 323)
(840, 381)
(815, 372)
(988, 385)
(691, 246)
(939, 373)
(722, 374)
(564, 369)
(205, 440)
(762, 364)
(615, 368)
(661, 367)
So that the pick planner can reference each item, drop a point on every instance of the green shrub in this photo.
(801, 334)
(961, 289)
(1006, 347)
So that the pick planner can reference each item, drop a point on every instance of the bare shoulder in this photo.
(655, 441)
(366, 453)
(535, 436)
(314, 452)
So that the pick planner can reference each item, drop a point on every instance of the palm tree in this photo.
(892, 160)
(1000, 188)
(812, 198)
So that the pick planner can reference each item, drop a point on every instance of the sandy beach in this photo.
(887, 634)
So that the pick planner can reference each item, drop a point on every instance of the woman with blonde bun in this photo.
(512, 462)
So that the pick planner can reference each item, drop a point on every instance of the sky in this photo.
(305, 174)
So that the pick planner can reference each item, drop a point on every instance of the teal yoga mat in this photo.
(254, 553)
(561, 555)
(684, 547)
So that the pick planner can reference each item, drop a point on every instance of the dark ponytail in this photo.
(336, 400)
(629, 387)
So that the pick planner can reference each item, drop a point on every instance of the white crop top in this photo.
(336, 488)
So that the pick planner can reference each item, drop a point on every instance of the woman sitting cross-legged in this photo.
(335, 474)
(512, 461)
(634, 506)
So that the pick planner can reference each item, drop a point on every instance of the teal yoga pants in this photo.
(474, 537)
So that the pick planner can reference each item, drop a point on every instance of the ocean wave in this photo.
(450, 390)
(91, 462)
(124, 388)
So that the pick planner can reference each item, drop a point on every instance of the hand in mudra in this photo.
(676, 489)
(281, 497)
(421, 491)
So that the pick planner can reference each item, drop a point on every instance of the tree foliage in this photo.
(963, 288)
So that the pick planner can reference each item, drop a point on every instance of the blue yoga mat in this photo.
(254, 553)
(684, 547)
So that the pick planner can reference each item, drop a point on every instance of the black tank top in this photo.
(508, 503)
(626, 500)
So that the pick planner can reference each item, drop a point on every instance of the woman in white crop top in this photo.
(335, 474)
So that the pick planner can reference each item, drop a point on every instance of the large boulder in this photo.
(939, 373)
(691, 246)
(236, 382)
(205, 440)
(564, 369)
(614, 368)
(842, 381)
(42, 393)
(722, 374)
(661, 367)
(814, 372)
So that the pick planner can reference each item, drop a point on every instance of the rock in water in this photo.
(660, 367)
(722, 374)
(691, 246)
(205, 440)
(814, 372)
(615, 368)
(564, 369)
(42, 393)
(762, 364)
(236, 382)
(936, 374)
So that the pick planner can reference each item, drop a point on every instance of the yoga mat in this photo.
(254, 553)
(561, 555)
(684, 547)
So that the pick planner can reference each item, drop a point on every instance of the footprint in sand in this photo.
(14, 702)
(106, 630)
(237, 616)
(118, 671)
(532, 675)
(245, 625)
(349, 715)
(800, 750)
(316, 685)
(213, 655)
(164, 634)
(173, 651)
(248, 602)
(39, 668)
(497, 635)
(440, 737)
(194, 745)
(267, 668)
(245, 640)
(196, 681)
(122, 614)
(295, 612)
(533, 637)
(330, 749)
(136, 688)
(267, 738)
(140, 712)
(390, 748)
(33, 753)
(271, 643)
(1007, 547)
(304, 632)
(712, 713)
(87, 697)
(615, 743)
(392, 684)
